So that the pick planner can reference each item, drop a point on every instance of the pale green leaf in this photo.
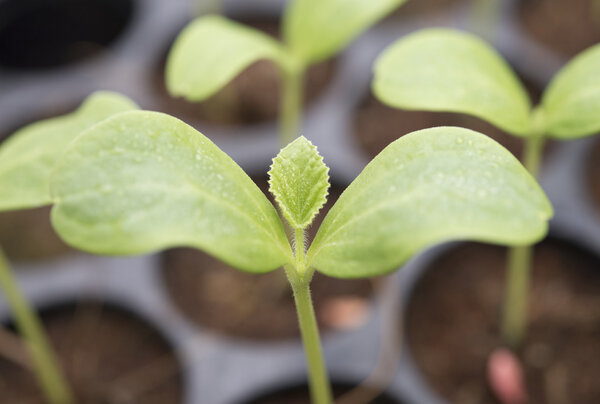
(429, 186)
(210, 52)
(299, 180)
(572, 100)
(143, 181)
(447, 70)
(318, 29)
(28, 156)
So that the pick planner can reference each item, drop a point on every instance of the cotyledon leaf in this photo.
(210, 52)
(143, 181)
(299, 180)
(315, 30)
(28, 156)
(429, 186)
(446, 70)
(571, 102)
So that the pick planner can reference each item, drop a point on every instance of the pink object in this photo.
(505, 377)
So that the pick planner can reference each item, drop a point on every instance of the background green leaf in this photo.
(572, 100)
(210, 52)
(28, 156)
(318, 29)
(429, 186)
(142, 181)
(299, 180)
(448, 70)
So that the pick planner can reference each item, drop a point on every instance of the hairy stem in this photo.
(514, 321)
(290, 109)
(318, 380)
(47, 370)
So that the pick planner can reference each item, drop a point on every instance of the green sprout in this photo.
(26, 161)
(212, 50)
(446, 70)
(141, 181)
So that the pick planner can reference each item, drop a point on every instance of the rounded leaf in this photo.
(429, 186)
(316, 30)
(143, 181)
(210, 52)
(28, 156)
(447, 70)
(572, 100)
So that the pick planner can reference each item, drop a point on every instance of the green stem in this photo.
(485, 16)
(291, 96)
(514, 321)
(48, 373)
(595, 10)
(199, 8)
(318, 380)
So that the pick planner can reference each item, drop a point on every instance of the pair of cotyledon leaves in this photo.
(212, 50)
(446, 70)
(134, 181)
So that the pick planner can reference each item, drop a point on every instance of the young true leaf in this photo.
(210, 52)
(447, 70)
(318, 29)
(429, 186)
(28, 156)
(143, 181)
(299, 181)
(572, 100)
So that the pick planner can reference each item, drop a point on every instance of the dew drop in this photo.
(198, 156)
(459, 140)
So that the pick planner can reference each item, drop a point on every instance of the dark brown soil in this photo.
(37, 34)
(221, 298)
(252, 97)
(564, 26)
(110, 356)
(453, 318)
(593, 174)
(300, 395)
(376, 125)
(28, 235)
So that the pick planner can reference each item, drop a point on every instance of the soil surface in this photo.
(300, 395)
(110, 357)
(216, 296)
(564, 26)
(376, 125)
(252, 97)
(28, 235)
(452, 323)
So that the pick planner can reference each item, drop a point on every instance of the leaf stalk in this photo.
(514, 320)
(292, 74)
(49, 374)
(318, 379)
